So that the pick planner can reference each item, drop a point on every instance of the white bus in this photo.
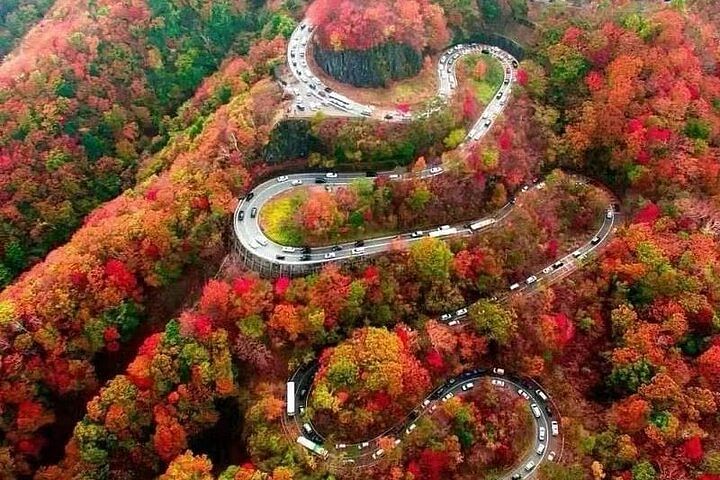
(290, 399)
(482, 224)
(443, 232)
(312, 446)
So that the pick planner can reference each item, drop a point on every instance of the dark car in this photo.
(328, 89)
(280, 257)
(305, 258)
(249, 196)
(512, 200)
(370, 173)
(253, 212)
(360, 243)
(241, 215)
(320, 180)
(306, 249)
(514, 63)
(336, 248)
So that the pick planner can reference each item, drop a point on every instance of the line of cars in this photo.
(466, 381)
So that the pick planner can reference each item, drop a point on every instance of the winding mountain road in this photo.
(311, 96)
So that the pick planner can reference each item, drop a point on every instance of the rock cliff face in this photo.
(370, 68)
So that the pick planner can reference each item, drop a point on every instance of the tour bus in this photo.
(441, 232)
(290, 399)
(312, 446)
(481, 224)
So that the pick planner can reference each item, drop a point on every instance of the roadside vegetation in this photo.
(482, 74)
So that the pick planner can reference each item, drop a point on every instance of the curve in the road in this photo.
(312, 95)
(309, 88)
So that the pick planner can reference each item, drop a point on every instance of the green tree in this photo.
(431, 259)
(493, 320)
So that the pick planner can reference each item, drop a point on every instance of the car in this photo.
(436, 170)
(542, 395)
(531, 279)
(249, 196)
(331, 175)
(340, 446)
(547, 270)
(363, 445)
(241, 215)
(498, 371)
(551, 456)
(462, 311)
(577, 253)
(282, 178)
(609, 214)
(328, 89)
(517, 476)
(515, 64)
(306, 249)
(540, 449)
(378, 453)
(320, 180)
(371, 173)
(426, 402)
(514, 286)
(288, 249)
(540, 185)
(541, 434)
(307, 428)
(397, 441)
(336, 248)
(301, 107)
(261, 241)
(305, 258)
(525, 188)
(388, 116)
(555, 428)
(312, 86)
(296, 182)
(433, 408)
(523, 394)
(529, 466)
(409, 429)
(468, 386)
(506, 81)
(536, 410)
(417, 234)
(280, 257)
(358, 250)
(253, 212)
(445, 317)
(393, 176)
(360, 243)
(452, 323)
(448, 396)
(499, 95)
(558, 264)
(497, 382)
(488, 122)
(513, 200)
(595, 240)
(329, 255)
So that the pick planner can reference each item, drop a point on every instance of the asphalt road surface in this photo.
(311, 95)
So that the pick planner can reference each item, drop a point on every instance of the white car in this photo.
(453, 323)
(551, 456)
(547, 270)
(448, 396)
(529, 466)
(296, 182)
(499, 371)
(445, 317)
(340, 446)
(554, 428)
(282, 178)
(412, 427)
(514, 286)
(531, 279)
(329, 255)
(417, 234)
(363, 445)
(358, 251)
(609, 214)
(540, 449)
(536, 410)
(426, 402)
(436, 170)
(378, 453)
(462, 311)
(288, 249)
(541, 434)
(468, 386)
(497, 382)
(331, 175)
(523, 394)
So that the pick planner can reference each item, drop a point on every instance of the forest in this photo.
(135, 343)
